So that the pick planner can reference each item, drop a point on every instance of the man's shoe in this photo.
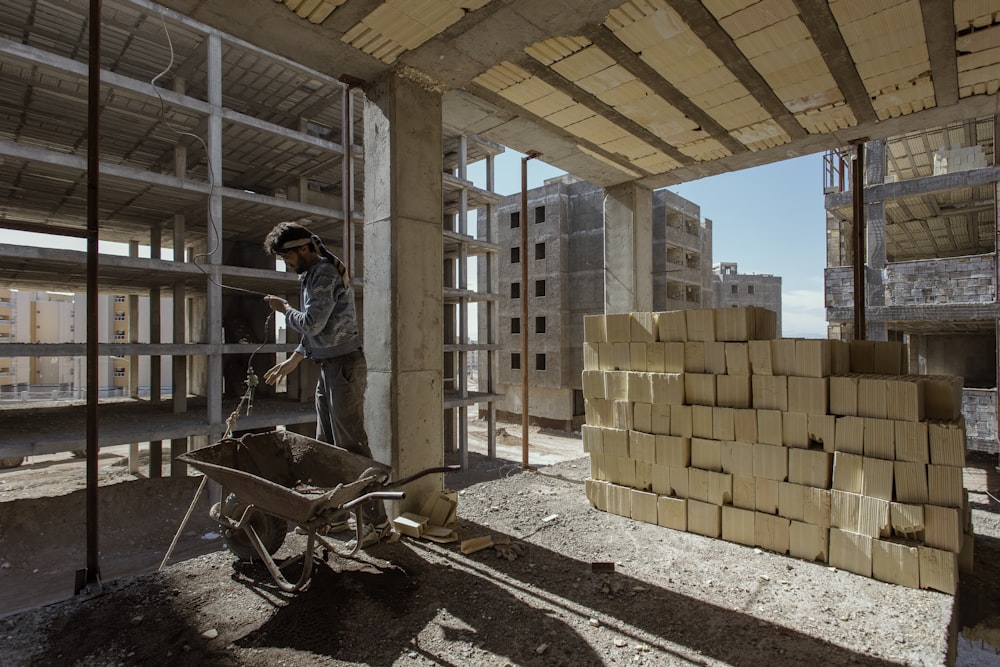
(381, 532)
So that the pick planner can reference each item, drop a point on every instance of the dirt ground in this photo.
(585, 588)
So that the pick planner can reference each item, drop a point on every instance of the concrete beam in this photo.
(917, 186)
(939, 21)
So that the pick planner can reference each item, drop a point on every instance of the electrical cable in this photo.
(213, 238)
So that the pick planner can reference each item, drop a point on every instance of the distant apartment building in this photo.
(733, 289)
(58, 318)
(565, 252)
(931, 255)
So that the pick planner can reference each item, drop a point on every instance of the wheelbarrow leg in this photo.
(273, 568)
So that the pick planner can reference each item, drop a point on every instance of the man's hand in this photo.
(276, 303)
(281, 370)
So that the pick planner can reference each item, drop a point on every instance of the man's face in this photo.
(294, 260)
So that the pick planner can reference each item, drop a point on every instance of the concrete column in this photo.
(214, 241)
(628, 249)
(875, 239)
(403, 281)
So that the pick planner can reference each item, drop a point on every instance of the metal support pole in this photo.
(524, 308)
(858, 197)
(89, 579)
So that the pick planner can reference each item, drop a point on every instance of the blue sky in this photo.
(767, 219)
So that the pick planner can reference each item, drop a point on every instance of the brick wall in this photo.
(979, 407)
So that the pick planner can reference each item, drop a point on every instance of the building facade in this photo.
(931, 254)
(565, 255)
(733, 289)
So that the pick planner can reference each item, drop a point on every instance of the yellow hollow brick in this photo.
(715, 358)
(738, 525)
(850, 435)
(795, 429)
(938, 570)
(851, 552)
(673, 451)
(896, 563)
(702, 424)
(769, 429)
(723, 423)
(745, 493)
(655, 358)
(770, 462)
(671, 325)
(672, 512)
(822, 431)
(808, 541)
(745, 425)
(706, 454)
(704, 518)
(771, 532)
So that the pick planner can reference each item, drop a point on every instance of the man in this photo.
(328, 324)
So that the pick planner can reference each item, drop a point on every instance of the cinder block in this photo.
(655, 358)
(681, 421)
(745, 425)
(672, 512)
(876, 478)
(907, 520)
(644, 506)
(845, 511)
(850, 435)
(912, 442)
(706, 454)
(896, 563)
(770, 392)
(783, 356)
(637, 357)
(809, 467)
(769, 429)
(704, 518)
(947, 442)
(938, 570)
(673, 357)
(770, 462)
(694, 357)
(699, 388)
(795, 429)
(597, 493)
(737, 458)
(844, 395)
(595, 329)
(911, 482)
(738, 359)
(771, 532)
(760, 357)
(642, 446)
(667, 388)
(642, 417)
(808, 394)
(671, 325)
(766, 495)
(873, 397)
(733, 391)
(643, 328)
(673, 451)
(715, 358)
(812, 358)
(745, 493)
(847, 472)
(593, 384)
(790, 501)
(738, 525)
(944, 485)
(702, 422)
(659, 419)
(808, 541)
(943, 528)
(851, 552)
(640, 387)
(700, 324)
(723, 424)
(816, 510)
(619, 327)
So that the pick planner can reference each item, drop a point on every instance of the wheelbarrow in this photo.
(279, 477)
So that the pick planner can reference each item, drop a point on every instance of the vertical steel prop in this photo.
(89, 579)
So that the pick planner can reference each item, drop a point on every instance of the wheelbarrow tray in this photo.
(286, 474)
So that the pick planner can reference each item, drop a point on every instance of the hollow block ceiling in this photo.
(658, 91)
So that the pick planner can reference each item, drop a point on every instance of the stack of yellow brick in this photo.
(703, 421)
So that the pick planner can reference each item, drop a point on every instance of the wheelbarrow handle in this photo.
(374, 495)
(425, 471)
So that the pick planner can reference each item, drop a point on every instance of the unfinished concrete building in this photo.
(341, 114)
(931, 252)
(566, 259)
(733, 289)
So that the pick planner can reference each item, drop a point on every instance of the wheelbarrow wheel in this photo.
(271, 530)
(11, 462)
